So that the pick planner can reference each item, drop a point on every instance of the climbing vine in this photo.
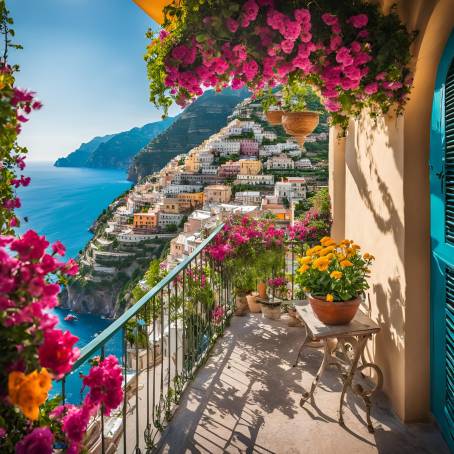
(15, 106)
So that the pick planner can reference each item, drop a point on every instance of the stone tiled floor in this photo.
(246, 400)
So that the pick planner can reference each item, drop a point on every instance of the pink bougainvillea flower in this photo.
(359, 21)
(57, 353)
(330, 19)
(58, 248)
(232, 25)
(38, 441)
(302, 16)
(371, 88)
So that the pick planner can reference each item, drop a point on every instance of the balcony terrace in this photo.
(200, 381)
(246, 399)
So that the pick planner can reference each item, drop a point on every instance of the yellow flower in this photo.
(309, 252)
(325, 239)
(316, 249)
(329, 297)
(336, 274)
(346, 263)
(330, 256)
(321, 263)
(326, 250)
(303, 268)
(305, 260)
(345, 243)
(30, 391)
(355, 247)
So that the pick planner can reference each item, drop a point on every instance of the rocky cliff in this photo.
(200, 120)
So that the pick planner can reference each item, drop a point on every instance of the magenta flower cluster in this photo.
(261, 46)
(27, 293)
(246, 235)
(104, 381)
(277, 282)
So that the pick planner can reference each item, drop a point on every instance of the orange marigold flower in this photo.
(346, 263)
(329, 297)
(368, 256)
(336, 274)
(30, 391)
(303, 268)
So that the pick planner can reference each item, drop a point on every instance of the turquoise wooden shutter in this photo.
(448, 175)
(442, 245)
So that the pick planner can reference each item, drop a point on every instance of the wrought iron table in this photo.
(351, 340)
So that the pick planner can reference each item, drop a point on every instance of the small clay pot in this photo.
(336, 312)
(274, 117)
(241, 306)
(261, 288)
(254, 307)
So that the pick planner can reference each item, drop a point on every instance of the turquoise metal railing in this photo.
(160, 341)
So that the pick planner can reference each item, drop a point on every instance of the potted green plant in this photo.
(243, 281)
(334, 277)
(296, 119)
(265, 265)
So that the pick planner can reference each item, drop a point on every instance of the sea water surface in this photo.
(62, 203)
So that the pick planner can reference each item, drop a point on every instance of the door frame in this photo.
(440, 251)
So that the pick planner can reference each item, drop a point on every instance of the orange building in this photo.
(195, 198)
(147, 221)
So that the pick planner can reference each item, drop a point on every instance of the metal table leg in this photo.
(358, 389)
(327, 360)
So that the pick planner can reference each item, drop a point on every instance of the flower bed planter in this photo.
(335, 312)
(274, 117)
(300, 124)
(271, 308)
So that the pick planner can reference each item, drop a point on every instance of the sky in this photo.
(84, 58)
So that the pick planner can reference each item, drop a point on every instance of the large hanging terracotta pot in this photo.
(335, 312)
(300, 124)
(274, 117)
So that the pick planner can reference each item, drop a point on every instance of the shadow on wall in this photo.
(371, 179)
(386, 215)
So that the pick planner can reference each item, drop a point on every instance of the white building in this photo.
(227, 147)
(255, 179)
(169, 219)
(303, 163)
(248, 197)
(174, 189)
(279, 162)
(210, 169)
(292, 189)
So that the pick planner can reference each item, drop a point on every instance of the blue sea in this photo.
(62, 203)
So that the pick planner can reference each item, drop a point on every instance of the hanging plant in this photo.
(340, 47)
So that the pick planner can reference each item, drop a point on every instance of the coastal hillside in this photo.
(200, 120)
(115, 150)
(79, 157)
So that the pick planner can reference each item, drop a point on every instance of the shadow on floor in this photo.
(246, 399)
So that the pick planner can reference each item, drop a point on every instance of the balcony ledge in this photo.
(246, 399)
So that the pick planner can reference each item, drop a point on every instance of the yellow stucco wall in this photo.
(380, 194)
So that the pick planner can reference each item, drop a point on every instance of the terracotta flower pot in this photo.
(261, 288)
(254, 307)
(241, 306)
(274, 117)
(336, 312)
(300, 124)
